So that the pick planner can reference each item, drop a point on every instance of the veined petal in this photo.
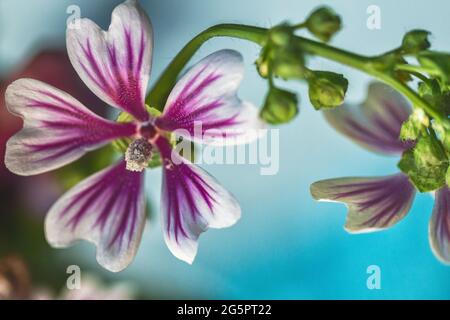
(374, 203)
(205, 106)
(439, 228)
(192, 202)
(115, 64)
(375, 124)
(57, 128)
(107, 209)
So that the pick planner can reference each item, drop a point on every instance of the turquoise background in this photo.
(286, 246)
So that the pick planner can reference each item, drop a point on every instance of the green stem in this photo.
(159, 93)
(413, 68)
(299, 26)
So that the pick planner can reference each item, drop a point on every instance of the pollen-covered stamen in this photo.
(138, 154)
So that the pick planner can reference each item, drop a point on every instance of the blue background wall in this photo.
(286, 245)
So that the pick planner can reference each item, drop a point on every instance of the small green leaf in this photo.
(409, 131)
(439, 99)
(412, 127)
(280, 106)
(323, 23)
(439, 62)
(415, 41)
(426, 164)
(327, 89)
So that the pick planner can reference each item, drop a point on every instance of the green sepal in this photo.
(122, 144)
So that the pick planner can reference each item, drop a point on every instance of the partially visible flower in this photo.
(15, 280)
(108, 208)
(16, 284)
(91, 289)
(377, 203)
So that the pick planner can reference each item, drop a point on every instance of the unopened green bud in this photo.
(327, 89)
(280, 106)
(415, 41)
(323, 23)
(281, 35)
(288, 63)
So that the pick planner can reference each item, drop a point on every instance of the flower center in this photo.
(138, 154)
(148, 130)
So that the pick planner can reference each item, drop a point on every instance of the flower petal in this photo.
(439, 228)
(57, 128)
(192, 202)
(205, 106)
(107, 209)
(115, 64)
(374, 203)
(375, 124)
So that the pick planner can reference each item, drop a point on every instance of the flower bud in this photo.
(327, 89)
(415, 41)
(288, 63)
(281, 35)
(323, 23)
(280, 106)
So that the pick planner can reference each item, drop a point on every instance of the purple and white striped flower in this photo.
(377, 203)
(108, 208)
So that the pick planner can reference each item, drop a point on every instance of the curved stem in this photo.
(161, 90)
(159, 93)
